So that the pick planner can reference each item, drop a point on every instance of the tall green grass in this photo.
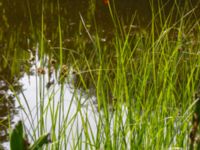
(143, 83)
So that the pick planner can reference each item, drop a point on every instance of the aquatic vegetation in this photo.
(194, 134)
(116, 87)
(41, 71)
(19, 141)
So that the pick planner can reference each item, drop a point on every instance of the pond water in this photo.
(69, 106)
(20, 33)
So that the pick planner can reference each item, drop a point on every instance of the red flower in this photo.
(106, 2)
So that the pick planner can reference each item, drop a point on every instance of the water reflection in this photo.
(72, 104)
(20, 32)
(7, 109)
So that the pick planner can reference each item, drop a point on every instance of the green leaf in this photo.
(42, 140)
(16, 137)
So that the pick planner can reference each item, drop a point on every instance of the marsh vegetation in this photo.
(95, 75)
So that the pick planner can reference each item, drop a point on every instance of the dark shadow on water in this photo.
(20, 31)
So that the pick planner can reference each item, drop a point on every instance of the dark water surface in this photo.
(20, 33)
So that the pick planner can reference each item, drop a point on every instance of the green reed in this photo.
(143, 82)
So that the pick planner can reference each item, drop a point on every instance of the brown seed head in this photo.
(41, 71)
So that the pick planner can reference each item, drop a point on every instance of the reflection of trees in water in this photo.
(13, 44)
(70, 10)
(70, 16)
(15, 24)
(7, 104)
(10, 73)
(6, 111)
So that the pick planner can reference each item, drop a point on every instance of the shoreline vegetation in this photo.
(127, 87)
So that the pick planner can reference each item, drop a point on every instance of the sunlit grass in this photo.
(143, 84)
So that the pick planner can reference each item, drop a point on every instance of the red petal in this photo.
(106, 2)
